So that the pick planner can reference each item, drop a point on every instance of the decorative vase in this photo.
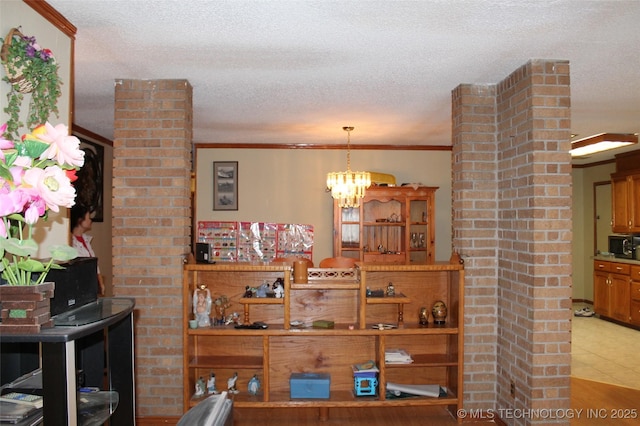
(439, 312)
(423, 316)
(26, 308)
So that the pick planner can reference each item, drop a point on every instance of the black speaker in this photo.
(76, 284)
(203, 253)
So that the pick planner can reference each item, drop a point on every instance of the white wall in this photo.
(288, 186)
(14, 14)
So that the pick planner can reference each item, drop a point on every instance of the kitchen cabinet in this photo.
(291, 345)
(612, 290)
(391, 225)
(625, 198)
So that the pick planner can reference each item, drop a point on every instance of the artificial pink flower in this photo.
(12, 202)
(63, 148)
(35, 210)
(52, 185)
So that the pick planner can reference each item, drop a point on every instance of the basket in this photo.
(14, 74)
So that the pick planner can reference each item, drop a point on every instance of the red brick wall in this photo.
(152, 229)
(524, 275)
(475, 233)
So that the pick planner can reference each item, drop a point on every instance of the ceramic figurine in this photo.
(231, 383)
(202, 306)
(391, 290)
(263, 289)
(211, 384)
(254, 385)
(439, 312)
(200, 387)
(278, 288)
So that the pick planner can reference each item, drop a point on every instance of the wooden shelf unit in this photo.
(339, 295)
(391, 225)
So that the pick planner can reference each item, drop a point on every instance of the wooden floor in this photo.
(589, 400)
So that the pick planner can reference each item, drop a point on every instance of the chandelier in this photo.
(348, 187)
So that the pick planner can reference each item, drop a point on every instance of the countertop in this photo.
(610, 258)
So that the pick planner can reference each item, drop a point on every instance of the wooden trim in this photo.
(324, 146)
(597, 163)
(53, 16)
(587, 301)
(75, 129)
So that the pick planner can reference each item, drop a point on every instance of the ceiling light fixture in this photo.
(601, 142)
(348, 187)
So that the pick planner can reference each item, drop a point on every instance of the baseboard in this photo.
(157, 421)
(587, 301)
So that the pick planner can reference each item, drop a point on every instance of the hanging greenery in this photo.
(30, 69)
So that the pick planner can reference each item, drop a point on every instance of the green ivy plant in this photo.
(24, 60)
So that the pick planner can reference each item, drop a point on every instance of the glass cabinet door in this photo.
(350, 232)
(418, 230)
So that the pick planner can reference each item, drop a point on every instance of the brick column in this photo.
(152, 229)
(533, 236)
(475, 215)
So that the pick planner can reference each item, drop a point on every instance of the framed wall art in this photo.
(225, 185)
(89, 186)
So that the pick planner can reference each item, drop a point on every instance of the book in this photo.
(23, 398)
(397, 356)
(367, 368)
(323, 324)
(14, 412)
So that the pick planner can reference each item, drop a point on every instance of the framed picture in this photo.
(89, 185)
(225, 185)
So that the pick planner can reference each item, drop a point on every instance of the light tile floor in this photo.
(604, 352)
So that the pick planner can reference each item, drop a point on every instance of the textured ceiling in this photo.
(297, 71)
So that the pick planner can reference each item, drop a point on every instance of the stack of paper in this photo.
(397, 356)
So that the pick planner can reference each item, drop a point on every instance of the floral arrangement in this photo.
(30, 69)
(35, 176)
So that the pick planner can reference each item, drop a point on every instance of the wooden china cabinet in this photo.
(391, 225)
(366, 327)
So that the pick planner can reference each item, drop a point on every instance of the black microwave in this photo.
(624, 246)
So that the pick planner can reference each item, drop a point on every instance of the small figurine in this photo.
(391, 290)
(278, 288)
(233, 318)
(247, 292)
(263, 289)
(221, 304)
(254, 385)
(200, 387)
(211, 384)
(202, 306)
(231, 383)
